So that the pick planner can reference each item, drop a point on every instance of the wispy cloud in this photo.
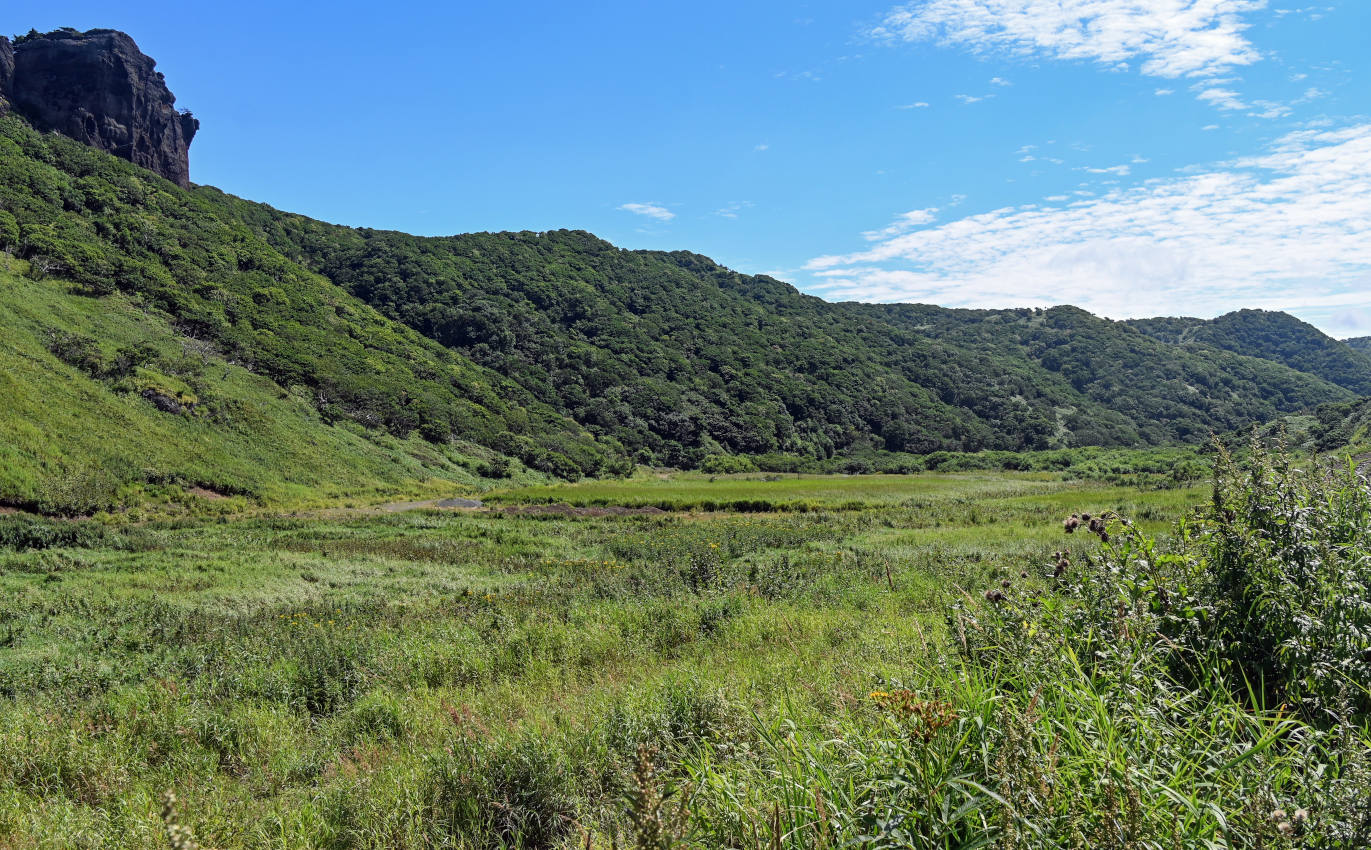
(1287, 229)
(656, 211)
(966, 98)
(1000, 81)
(1116, 170)
(762, 147)
(1170, 38)
(1221, 98)
(732, 210)
(1229, 100)
(916, 105)
(904, 222)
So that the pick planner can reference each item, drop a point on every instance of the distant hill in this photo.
(1278, 337)
(1360, 343)
(677, 357)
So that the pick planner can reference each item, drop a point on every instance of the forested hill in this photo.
(1360, 343)
(556, 348)
(678, 357)
(155, 337)
(1278, 337)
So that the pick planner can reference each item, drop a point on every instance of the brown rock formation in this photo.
(98, 88)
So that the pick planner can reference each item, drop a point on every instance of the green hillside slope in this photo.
(675, 356)
(98, 233)
(393, 357)
(91, 390)
(1274, 336)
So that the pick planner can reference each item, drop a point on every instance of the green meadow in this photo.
(770, 662)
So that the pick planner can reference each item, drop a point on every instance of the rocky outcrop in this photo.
(6, 72)
(98, 88)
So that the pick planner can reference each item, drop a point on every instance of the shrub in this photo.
(19, 532)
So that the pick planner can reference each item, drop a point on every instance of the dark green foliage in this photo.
(1274, 336)
(1283, 583)
(1248, 643)
(1343, 427)
(677, 357)
(23, 533)
(1360, 343)
(503, 795)
(1267, 588)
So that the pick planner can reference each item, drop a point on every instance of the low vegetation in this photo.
(934, 669)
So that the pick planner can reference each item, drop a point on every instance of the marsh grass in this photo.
(476, 680)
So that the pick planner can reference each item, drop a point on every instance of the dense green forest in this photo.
(679, 358)
(1274, 336)
(559, 350)
(1360, 343)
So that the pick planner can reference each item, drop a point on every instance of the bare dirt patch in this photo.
(206, 493)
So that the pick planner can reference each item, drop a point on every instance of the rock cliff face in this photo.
(6, 72)
(98, 88)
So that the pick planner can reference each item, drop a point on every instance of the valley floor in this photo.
(476, 678)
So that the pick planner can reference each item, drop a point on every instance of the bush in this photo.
(20, 532)
(727, 464)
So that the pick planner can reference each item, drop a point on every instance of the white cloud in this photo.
(917, 105)
(656, 211)
(1269, 109)
(1116, 170)
(904, 222)
(1164, 92)
(1000, 81)
(966, 98)
(1171, 38)
(1221, 99)
(1288, 229)
(732, 210)
(1229, 100)
(762, 147)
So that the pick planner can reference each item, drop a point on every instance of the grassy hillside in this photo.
(1278, 337)
(92, 387)
(103, 239)
(678, 357)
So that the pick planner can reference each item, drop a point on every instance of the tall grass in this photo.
(1208, 694)
(801, 680)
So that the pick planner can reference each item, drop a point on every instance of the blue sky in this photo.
(1133, 157)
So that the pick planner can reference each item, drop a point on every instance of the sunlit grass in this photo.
(476, 678)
